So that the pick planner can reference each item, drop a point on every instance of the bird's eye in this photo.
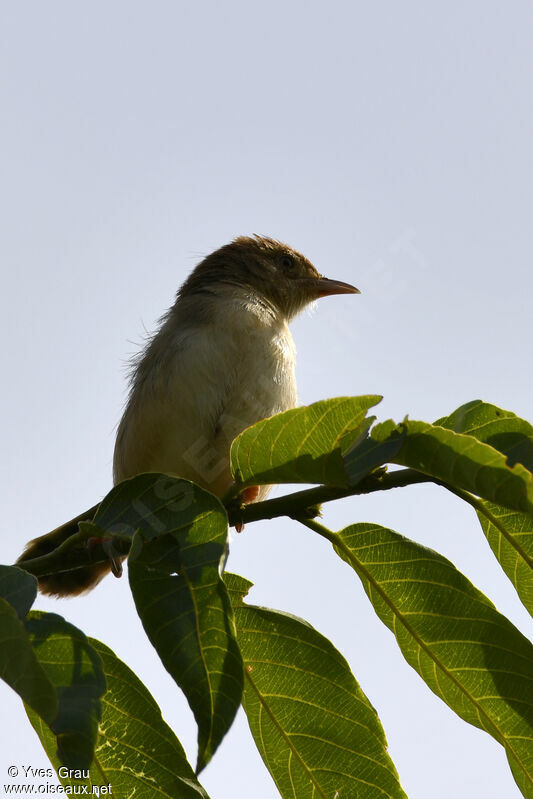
(287, 262)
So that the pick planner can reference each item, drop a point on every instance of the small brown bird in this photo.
(222, 358)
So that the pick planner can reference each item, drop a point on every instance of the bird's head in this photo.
(269, 268)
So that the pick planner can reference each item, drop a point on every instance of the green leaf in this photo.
(19, 666)
(510, 536)
(75, 669)
(316, 731)
(470, 655)
(303, 445)
(367, 454)
(18, 588)
(175, 567)
(51, 666)
(462, 462)
(137, 754)
(503, 430)
(509, 533)
(238, 587)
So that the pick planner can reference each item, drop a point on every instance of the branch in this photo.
(294, 505)
(76, 553)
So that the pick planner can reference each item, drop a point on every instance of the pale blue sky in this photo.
(391, 143)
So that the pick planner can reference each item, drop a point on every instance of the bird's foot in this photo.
(108, 546)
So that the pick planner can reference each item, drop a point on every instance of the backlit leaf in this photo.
(302, 445)
(317, 733)
(75, 669)
(461, 461)
(509, 533)
(470, 655)
(175, 566)
(136, 754)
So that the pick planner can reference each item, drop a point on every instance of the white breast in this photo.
(208, 382)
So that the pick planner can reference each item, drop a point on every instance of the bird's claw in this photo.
(108, 546)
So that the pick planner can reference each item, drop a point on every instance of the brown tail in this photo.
(67, 583)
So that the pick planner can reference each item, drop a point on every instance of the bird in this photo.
(221, 359)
